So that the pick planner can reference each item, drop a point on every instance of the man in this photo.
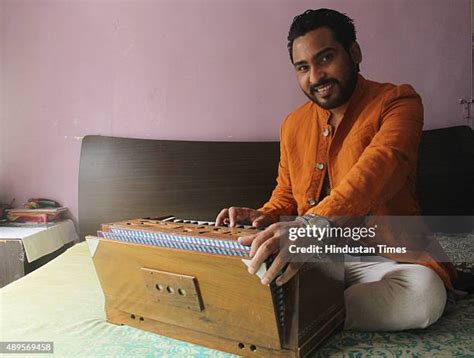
(350, 151)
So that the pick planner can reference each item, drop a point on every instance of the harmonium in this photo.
(189, 280)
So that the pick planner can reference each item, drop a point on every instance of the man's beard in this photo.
(345, 92)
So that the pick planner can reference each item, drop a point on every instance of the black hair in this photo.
(340, 24)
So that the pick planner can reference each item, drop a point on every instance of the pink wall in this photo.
(208, 70)
(3, 193)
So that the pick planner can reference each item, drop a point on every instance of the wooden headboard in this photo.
(122, 178)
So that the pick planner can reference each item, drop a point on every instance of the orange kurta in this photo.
(371, 158)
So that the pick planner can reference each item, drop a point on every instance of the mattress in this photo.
(63, 302)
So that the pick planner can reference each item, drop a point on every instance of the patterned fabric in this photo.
(451, 336)
(460, 249)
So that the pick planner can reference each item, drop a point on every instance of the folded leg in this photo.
(388, 296)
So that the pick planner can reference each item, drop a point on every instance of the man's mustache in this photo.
(313, 88)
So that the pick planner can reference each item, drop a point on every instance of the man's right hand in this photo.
(234, 216)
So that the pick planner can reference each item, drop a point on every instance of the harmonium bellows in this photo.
(189, 280)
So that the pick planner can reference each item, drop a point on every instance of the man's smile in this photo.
(325, 90)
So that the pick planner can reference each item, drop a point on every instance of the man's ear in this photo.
(356, 52)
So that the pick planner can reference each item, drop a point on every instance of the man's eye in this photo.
(326, 58)
(303, 68)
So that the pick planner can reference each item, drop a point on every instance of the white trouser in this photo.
(388, 296)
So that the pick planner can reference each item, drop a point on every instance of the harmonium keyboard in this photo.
(189, 280)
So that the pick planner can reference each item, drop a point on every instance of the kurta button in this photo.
(311, 202)
(326, 131)
(320, 166)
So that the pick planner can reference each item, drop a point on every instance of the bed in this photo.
(125, 178)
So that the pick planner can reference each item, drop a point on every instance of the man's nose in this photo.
(315, 75)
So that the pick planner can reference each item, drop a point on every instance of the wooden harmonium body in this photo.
(189, 281)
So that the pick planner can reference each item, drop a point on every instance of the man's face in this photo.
(326, 72)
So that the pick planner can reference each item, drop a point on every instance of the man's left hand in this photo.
(273, 240)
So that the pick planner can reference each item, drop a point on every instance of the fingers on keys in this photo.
(235, 215)
(222, 216)
(232, 216)
(259, 221)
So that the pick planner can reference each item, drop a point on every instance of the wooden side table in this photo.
(24, 249)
